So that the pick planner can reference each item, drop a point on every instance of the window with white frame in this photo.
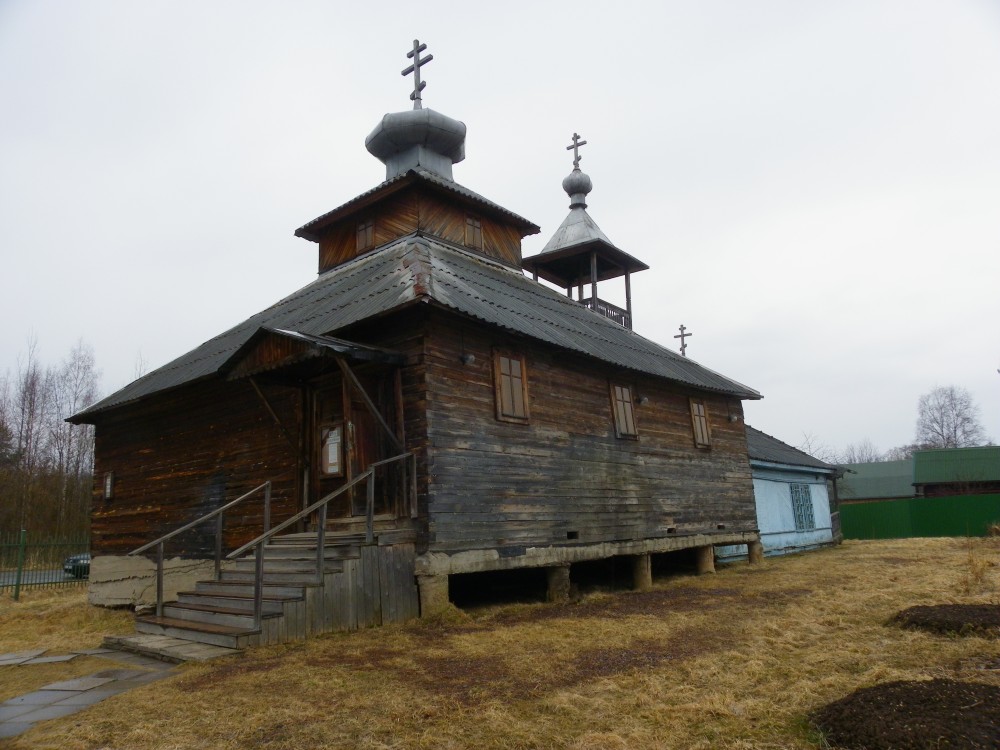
(802, 507)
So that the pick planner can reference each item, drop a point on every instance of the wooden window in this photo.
(699, 420)
(511, 381)
(473, 232)
(624, 414)
(109, 485)
(366, 234)
(802, 507)
(331, 456)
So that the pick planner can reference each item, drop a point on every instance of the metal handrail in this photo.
(220, 514)
(321, 506)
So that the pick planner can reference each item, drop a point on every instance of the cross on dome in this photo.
(575, 148)
(418, 61)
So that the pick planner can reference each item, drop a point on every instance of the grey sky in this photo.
(815, 185)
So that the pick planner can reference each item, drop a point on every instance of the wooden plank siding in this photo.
(412, 210)
(564, 477)
(184, 453)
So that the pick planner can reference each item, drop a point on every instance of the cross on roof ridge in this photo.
(418, 61)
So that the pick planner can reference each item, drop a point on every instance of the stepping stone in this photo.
(48, 711)
(50, 659)
(37, 698)
(14, 728)
(80, 683)
(19, 657)
(93, 652)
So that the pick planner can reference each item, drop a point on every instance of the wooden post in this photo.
(628, 297)
(755, 553)
(593, 278)
(706, 559)
(558, 583)
(433, 594)
(642, 572)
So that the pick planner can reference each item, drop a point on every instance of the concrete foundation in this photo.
(433, 594)
(755, 553)
(558, 580)
(642, 572)
(706, 559)
(122, 581)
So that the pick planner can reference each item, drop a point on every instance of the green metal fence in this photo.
(38, 561)
(958, 515)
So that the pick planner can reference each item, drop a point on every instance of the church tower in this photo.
(580, 254)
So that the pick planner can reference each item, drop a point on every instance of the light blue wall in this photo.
(775, 517)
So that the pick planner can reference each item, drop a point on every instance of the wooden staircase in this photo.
(361, 584)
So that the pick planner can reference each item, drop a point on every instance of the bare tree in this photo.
(947, 417)
(864, 452)
(816, 448)
(902, 452)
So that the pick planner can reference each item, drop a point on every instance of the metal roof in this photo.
(883, 479)
(947, 465)
(763, 447)
(311, 230)
(419, 269)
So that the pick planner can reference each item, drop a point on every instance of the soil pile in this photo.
(961, 619)
(934, 714)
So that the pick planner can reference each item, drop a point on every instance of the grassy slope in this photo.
(734, 660)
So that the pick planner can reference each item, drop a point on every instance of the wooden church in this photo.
(424, 408)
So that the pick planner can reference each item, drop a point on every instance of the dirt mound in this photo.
(935, 714)
(961, 619)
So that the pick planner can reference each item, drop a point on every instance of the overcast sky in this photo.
(814, 185)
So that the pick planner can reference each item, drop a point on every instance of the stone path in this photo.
(59, 699)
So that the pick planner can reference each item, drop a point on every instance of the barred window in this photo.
(624, 415)
(802, 507)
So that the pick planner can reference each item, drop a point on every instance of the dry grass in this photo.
(56, 619)
(732, 661)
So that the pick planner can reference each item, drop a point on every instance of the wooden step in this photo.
(243, 603)
(194, 612)
(306, 552)
(202, 632)
(287, 564)
(244, 588)
(295, 576)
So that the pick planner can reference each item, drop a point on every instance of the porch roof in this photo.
(418, 269)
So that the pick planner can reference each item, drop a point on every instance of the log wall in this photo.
(565, 478)
(184, 453)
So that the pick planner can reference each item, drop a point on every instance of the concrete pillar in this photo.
(433, 594)
(706, 559)
(558, 579)
(755, 553)
(642, 572)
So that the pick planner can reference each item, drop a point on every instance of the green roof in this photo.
(948, 465)
(876, 480)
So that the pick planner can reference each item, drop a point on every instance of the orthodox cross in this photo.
(418, 61)
(683, 336)
(575, 148)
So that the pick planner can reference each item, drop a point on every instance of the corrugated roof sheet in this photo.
(763, 447)
(416, 268)
(948, 465)
(877, 480)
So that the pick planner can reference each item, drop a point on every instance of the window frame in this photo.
(365, 229)
(801, 502)
(623, 411)
(700, 427)
(325, 430)
(501, 378)
(473, 225)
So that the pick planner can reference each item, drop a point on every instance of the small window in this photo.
(331, 459)
(366, 234)
(473, 232)
(109, 485)
(621, 401)
(699, 420)
(802, 507)
(511, 387)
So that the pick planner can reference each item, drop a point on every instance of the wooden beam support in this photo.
(274, 416)
(356, 384)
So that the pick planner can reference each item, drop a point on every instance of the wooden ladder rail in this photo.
(368, 476)
(219, 514)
